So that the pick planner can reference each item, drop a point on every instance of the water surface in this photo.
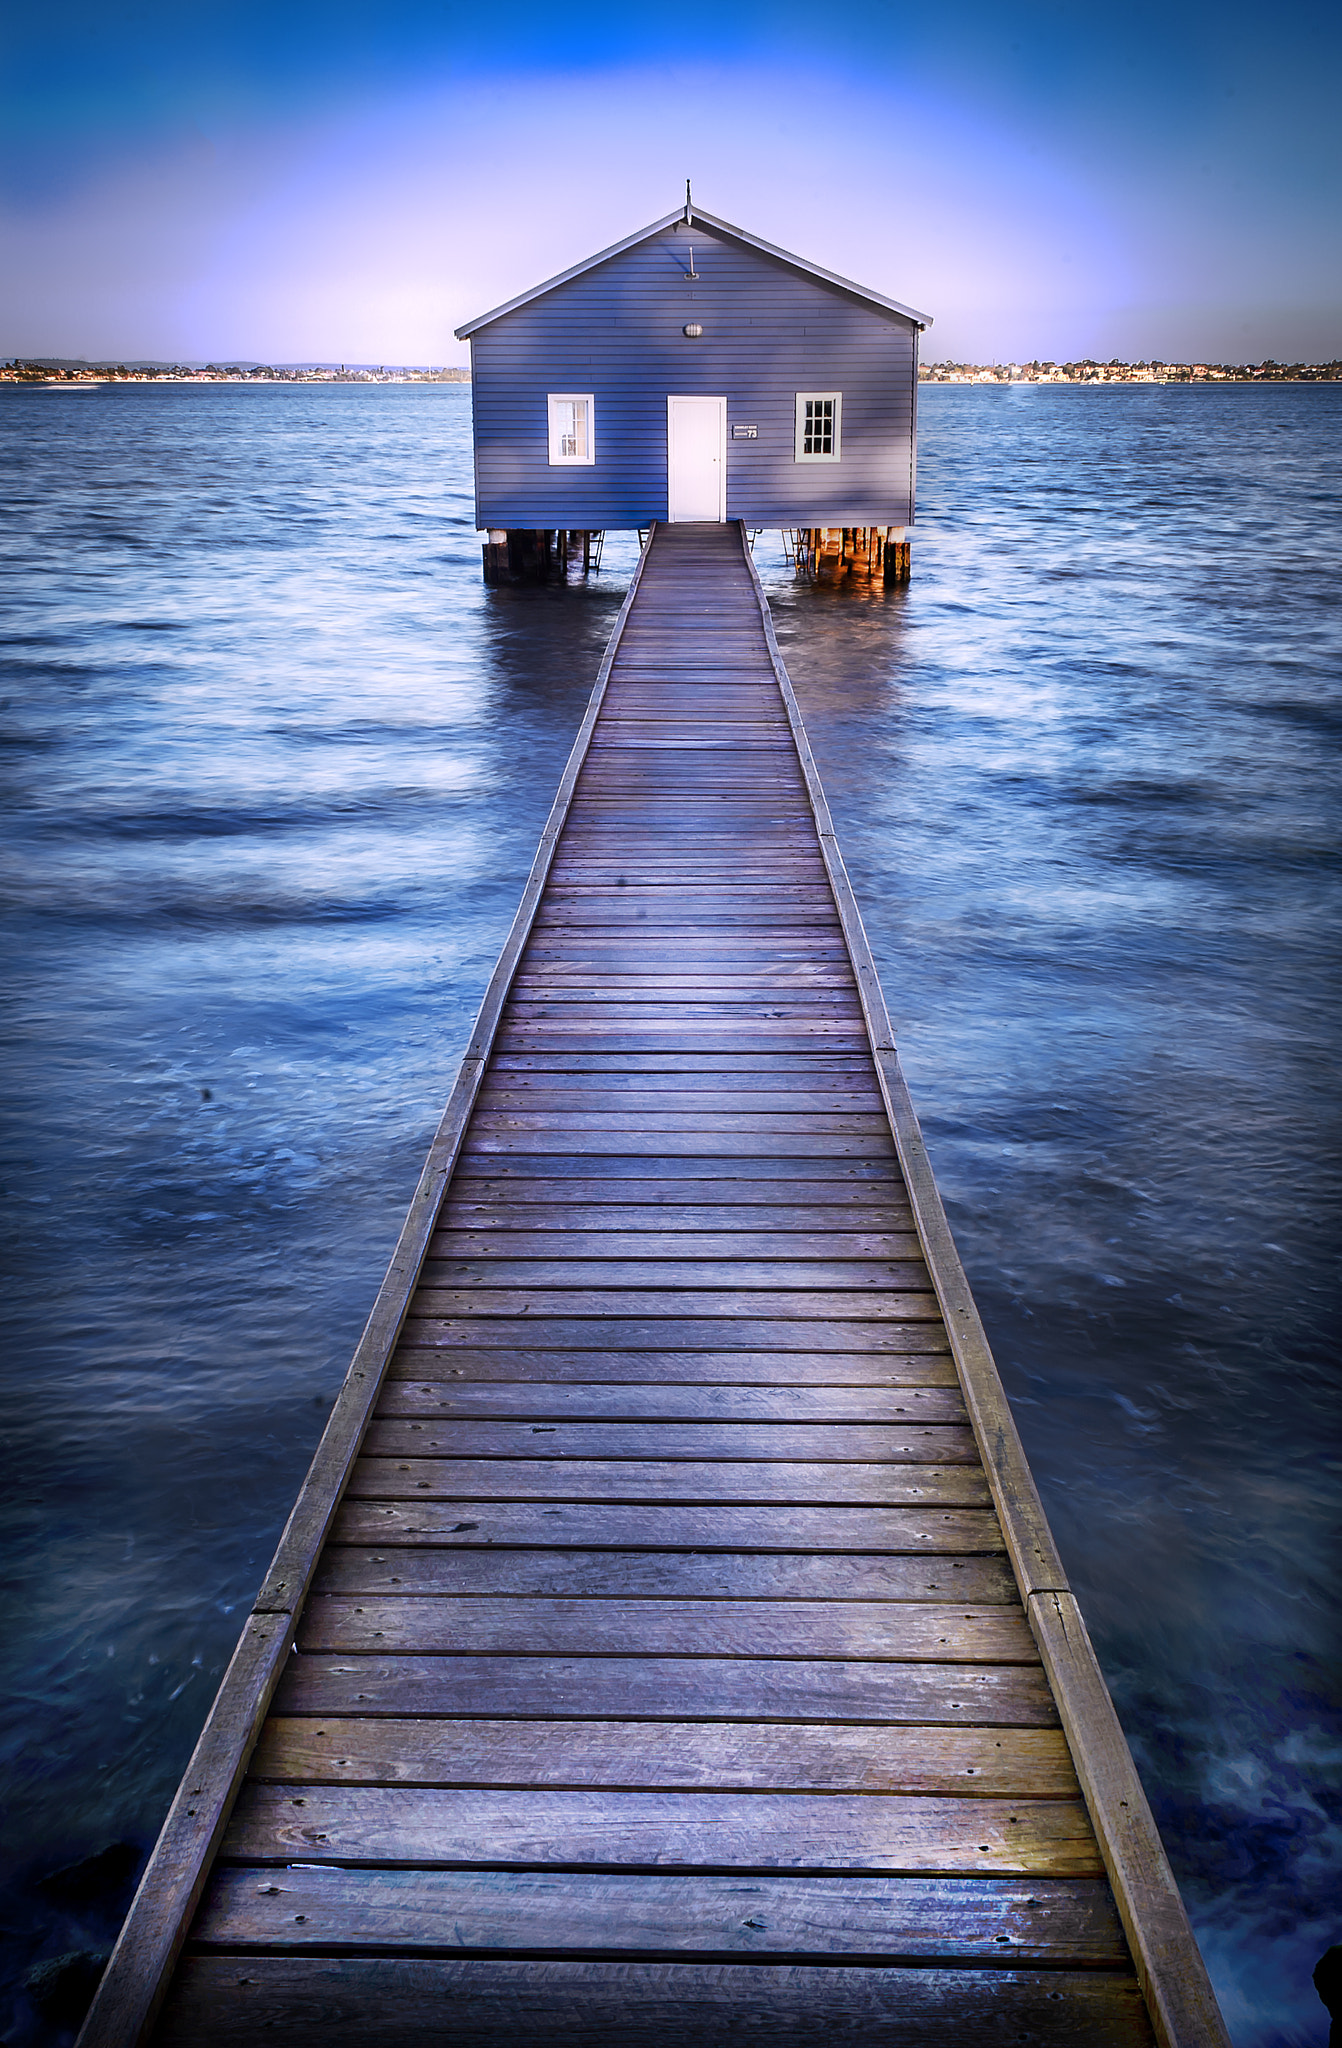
(277, 763)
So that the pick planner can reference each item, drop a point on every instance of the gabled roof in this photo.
(692, 217)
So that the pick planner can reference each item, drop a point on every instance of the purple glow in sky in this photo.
(1048, 181)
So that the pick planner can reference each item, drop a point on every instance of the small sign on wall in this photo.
(745, 433)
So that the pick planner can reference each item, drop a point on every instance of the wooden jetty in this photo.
(668, 1644)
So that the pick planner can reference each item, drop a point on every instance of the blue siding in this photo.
(768, 334)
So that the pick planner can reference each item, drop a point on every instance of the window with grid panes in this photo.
(818, 416)
(570, 425)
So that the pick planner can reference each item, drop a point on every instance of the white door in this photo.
(696, 458)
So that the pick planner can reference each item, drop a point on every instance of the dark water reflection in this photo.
(278, 763)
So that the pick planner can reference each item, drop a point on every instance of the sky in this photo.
(324, 180)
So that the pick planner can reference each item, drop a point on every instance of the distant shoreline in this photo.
(52, 372)
(1088, 372)
(59, 370)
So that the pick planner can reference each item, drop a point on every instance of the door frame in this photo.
(699, 398)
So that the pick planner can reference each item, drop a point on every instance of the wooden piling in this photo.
(830, 554)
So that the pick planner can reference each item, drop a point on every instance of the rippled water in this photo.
(277, 765)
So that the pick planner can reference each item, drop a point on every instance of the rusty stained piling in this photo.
(829, 553)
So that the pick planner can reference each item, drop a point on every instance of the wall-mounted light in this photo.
(694, 330)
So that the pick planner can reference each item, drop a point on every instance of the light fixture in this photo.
(694, 330)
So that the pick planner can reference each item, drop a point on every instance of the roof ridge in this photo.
(689, 215)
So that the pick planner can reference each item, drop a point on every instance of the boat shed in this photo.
(694, 372)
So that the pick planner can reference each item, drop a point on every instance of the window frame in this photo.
(805, 398)
(555, 427)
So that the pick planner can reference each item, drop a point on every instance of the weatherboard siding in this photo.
(769, 333)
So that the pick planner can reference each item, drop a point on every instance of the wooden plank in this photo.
(872, 1630)
(666, 760)
(592, 868)
(645, 778)
(614, 1479)
(771, 949)
(596, 858)
(675, 1173)
(874, 1306)
(747, 765)
(667, 1688)
(503, 1199)
(752, 773)
(783, 1094)
(867, 1281)
(992, 1763)
(655, 777)
(815, 1177)
(509, 1238)
(1069, 1921)
(736, 745)
(730, 1000)
(701, 1443)
(796, 1370)
(639, 1574)
(659, 930)
(578, 1092)
(665, 848)
(643, 971)
(661, 862)
(691, 830)
(775, 818)
(524, 1400)
(737, 954)
(750, 730)
(763, 1035)
(635, 860)
(507, 1268)
(888, 1531)
(732, 953)
(661, 927)
(685, 1830)
(626, 1222)
(684, 1333)
(369, 2002)
(769, 816)
(638, 717)
(703, 992)
(656, 1122)
(675, 1060)
(806, 984)
(748, 1033)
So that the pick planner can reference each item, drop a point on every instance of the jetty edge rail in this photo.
(140, 1966)
(210, 1784)
(1169, 1964)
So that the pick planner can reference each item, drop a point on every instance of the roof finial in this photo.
(689, 210)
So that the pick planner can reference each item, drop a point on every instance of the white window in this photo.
(571, 437)
(818, 421)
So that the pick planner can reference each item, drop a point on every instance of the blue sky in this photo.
(351, 181)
